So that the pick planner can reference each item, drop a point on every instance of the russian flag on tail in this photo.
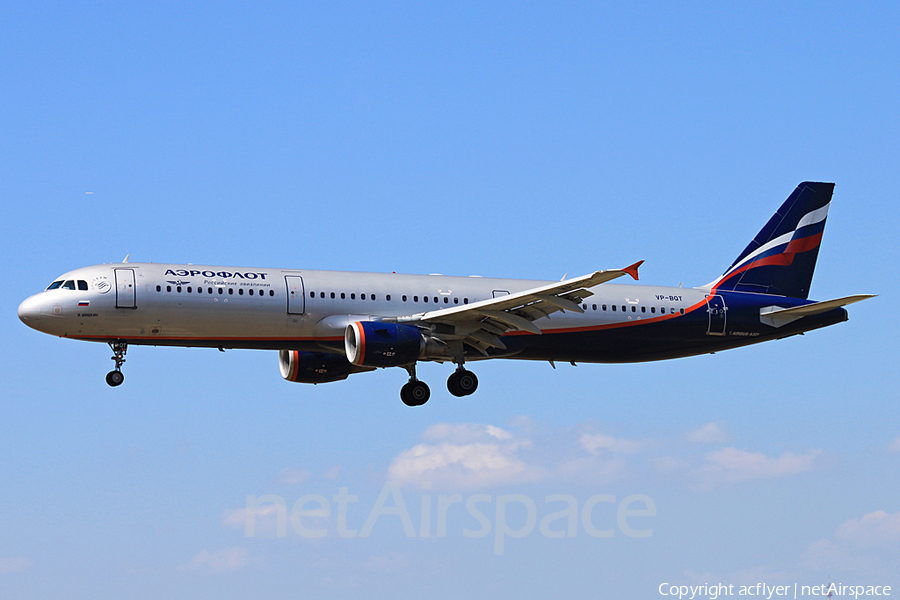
(782, 257)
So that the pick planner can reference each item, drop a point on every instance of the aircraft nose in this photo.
(30, 312)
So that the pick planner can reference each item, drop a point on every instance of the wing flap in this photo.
(481, 324)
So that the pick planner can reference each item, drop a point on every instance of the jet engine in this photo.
(380, 344)
(314, 367)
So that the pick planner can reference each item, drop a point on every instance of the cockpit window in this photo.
(82, 285)
(69, 285)
(55, 285)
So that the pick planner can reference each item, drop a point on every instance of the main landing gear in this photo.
(416, 393)
(462, 382)
(115, 378)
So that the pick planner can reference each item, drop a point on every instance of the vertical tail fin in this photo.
(781, 258)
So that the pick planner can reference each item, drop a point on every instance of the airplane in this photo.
(327, 325)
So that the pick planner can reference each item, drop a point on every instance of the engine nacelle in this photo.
(379, 344)
(313, 367)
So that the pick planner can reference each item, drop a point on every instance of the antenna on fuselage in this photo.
(126, 258)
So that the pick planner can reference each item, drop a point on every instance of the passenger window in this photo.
(250, 291)
(240, 291)
(653, 309)
(446, 300)
(230, 291)
(403, 297)
(312, 294)
(69, 285)
(362, 296)
(424, 298)
(54, 285)
(343, 296)
(633, 308)
(373, 296)
(465, 300)
(614, 307)
(415, 298)
(271, 292)
(82, 285)
(603, 307)
(168, 288)
(209, 290)
(190, 289)
(158, 288)
(643, 309)
(681, 310)
(624, 308)
(388, 297)
(332, 295)
(593, 307)
(456, 301)
(353, 296)
(435, 300)
(221, 291)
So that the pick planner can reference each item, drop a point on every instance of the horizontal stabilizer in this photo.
(777, 316)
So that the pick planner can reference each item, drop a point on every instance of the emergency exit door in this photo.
(296, 303)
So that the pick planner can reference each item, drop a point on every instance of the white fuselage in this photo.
(191, 305)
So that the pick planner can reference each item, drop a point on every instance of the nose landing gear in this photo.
(115, 378)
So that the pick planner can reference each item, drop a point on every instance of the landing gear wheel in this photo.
(119, 348)
(415, 393)
(114, 378)
(462, 383)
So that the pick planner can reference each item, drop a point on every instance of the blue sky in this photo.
(507, 139)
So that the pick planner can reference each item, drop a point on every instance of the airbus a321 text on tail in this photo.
(327, 325)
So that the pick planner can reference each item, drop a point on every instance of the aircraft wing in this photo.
(480, 324)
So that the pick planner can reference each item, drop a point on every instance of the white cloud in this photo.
(392, 562)
(464, 433)
(14, 565)
(224, 561)
(293, 476)
(711, 433)
(463, 466)
(868, 546)
(733, 465)
(264, 519)
(466, 456)
(594, 443)
(876, 529)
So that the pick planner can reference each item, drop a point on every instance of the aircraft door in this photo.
(715, 306)
(125, 288)
(296, 304)
(499, 293)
